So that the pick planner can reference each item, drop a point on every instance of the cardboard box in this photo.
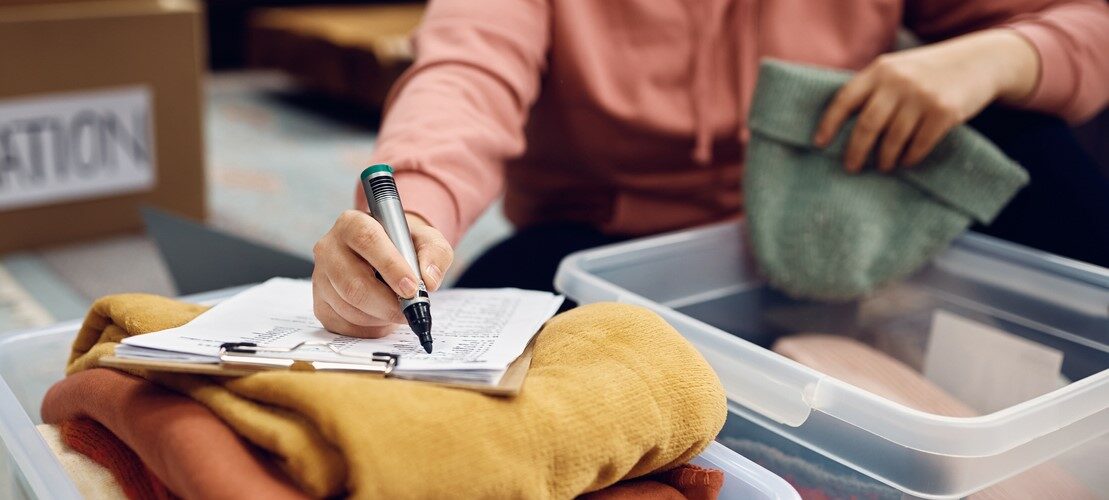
(353, 52)
(27, 2)
(100, 112)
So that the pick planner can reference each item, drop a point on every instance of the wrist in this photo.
(1015, 63)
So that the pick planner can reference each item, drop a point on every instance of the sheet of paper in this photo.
(473, 329)
(986, 367)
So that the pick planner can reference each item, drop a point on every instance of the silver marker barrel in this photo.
(385, 206)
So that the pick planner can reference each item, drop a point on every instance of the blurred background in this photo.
(254, 116)
(261, 115)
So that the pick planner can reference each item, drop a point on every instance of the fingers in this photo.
(348, 297)
(357, 294)
(338, 324)
(849, 98)
(360, 202)
(368, 239)
(933, 128)
(323, 289)
(897, 135)
(876, 114)
(434, 254)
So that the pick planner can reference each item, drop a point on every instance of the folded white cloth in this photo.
(93, 481)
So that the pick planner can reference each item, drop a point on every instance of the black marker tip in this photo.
(419, 319)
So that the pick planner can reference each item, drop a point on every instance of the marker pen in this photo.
(385, 206)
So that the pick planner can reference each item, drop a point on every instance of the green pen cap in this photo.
(373, 169)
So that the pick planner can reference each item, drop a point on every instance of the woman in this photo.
(618, 118)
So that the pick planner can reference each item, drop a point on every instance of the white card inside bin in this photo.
(986, 367)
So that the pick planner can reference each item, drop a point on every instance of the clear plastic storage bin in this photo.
(32, 361)
(704, 282)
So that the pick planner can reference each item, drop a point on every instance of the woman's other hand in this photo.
(907, 101)
(347, 296)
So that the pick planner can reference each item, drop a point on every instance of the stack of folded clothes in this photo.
(600, 407)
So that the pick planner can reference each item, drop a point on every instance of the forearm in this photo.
(457, 115)
(448, 134)
(1069, 40)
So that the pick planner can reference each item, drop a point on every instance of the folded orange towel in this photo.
(184, 444)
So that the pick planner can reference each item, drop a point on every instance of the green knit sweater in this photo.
(821, 233)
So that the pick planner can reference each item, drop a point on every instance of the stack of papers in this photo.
(477, 333)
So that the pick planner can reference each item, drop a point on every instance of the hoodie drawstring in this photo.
(708, 21)
(747, 38)
(708, 18)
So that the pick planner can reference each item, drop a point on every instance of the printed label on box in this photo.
(986, 367)
(64, 147)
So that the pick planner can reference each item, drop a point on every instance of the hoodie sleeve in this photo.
(1071, 38)
(454, 118)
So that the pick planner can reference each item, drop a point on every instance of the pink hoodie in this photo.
(630, 115)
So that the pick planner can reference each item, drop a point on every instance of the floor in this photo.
(281, 163)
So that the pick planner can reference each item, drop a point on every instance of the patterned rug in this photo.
(281, 164)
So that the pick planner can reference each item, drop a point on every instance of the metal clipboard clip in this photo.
(248, 355)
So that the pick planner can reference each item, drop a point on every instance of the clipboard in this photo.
(242, 359)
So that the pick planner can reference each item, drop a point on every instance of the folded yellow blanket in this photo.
(613, 393)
